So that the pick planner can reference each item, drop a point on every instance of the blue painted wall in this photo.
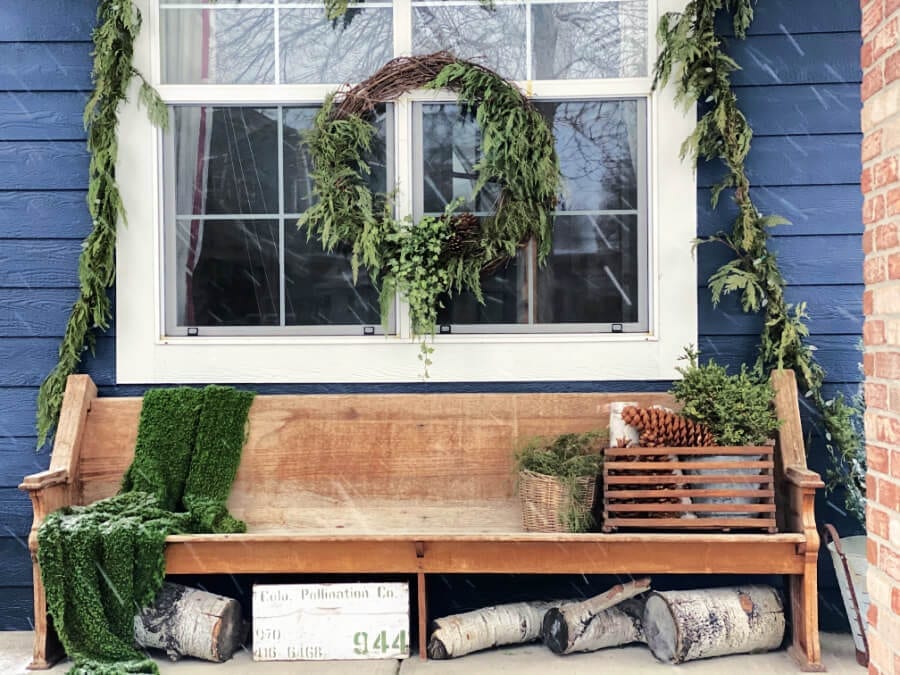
(799, 87)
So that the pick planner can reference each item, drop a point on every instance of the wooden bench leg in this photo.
(805, 648)
(423, 617)
(47, 648)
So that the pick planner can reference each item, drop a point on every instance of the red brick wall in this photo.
(881, 305)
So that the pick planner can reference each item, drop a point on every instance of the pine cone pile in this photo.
(660, 428)
(466, 235)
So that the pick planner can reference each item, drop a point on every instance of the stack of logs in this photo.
(677, 626)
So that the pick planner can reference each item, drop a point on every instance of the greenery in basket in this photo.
(567, 457)
(737, 409)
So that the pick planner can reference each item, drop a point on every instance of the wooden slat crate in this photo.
(649, 488)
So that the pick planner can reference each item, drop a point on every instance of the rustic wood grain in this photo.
(350, 448)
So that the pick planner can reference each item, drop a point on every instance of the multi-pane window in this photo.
(236, 176)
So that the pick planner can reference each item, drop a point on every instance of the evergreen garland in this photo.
(118, 24)
(693, 54)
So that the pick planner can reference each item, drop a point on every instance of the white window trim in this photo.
(144, 355)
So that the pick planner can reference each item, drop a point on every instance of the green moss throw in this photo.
(102, 563)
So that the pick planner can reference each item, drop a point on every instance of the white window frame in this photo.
(145, 355)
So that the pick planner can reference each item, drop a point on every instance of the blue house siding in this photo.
(44, 83)
(799, 87)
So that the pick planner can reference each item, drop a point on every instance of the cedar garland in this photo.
(118, 24)
(693, 54)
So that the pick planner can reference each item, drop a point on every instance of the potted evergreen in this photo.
(558, 481)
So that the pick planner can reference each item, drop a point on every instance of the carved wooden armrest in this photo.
(49, 490)
(803, 478)
(44, 479)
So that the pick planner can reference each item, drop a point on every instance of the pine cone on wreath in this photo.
(466, 234)
(660, 428)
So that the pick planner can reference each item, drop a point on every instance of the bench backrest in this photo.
(341, 448)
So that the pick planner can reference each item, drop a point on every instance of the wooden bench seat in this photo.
(419, 484)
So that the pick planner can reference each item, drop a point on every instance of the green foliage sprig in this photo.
(415, 269)
(118, 24)
(737, 408)
(693, 55)
(567, 457)
(517, 153)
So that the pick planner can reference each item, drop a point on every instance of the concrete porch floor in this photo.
(837, 654)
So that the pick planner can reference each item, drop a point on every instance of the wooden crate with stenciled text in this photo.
(316, 622)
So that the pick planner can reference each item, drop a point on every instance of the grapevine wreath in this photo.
(436, 255)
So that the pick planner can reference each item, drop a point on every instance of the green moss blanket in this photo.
(102, 563)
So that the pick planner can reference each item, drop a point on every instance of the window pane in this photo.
(227, 272)
(450, 149)
(226, 160)
(319, 288)
(505, 298)
(218, 46)
(494, 37)
(597, 144)
(349, 49)
(298, 165)
(592, 274)
(589, 40)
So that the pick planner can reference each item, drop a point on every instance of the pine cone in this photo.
(466, 234)
(660, 428)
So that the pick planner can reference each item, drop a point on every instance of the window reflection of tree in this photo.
(592, 274)
(315, 50)
(493, 37)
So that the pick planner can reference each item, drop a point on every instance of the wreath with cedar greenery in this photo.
(447, 254)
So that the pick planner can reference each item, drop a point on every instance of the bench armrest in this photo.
(44, 479)
(803, 478)
(800, 486)
(49, 490)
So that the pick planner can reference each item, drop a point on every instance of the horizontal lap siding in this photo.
(44, 83)
(799, 88)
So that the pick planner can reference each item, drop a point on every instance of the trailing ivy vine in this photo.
(118, 24)
(693, 55)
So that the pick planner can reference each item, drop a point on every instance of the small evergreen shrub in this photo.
(736, 408)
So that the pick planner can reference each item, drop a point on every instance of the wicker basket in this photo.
(545, 500)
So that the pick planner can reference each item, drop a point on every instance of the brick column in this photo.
(881, 305)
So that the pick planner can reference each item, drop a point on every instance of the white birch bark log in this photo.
(460, 634)
(189, 622)
(621, 434)
(686, 625)
(570, 628)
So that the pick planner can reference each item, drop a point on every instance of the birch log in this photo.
(621, 435)
(460, 634)
(189, 622)
(686, 625)
(571, 627)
